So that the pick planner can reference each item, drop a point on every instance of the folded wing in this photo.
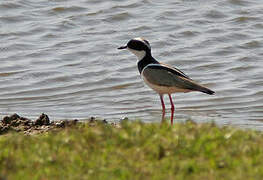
(163, 75)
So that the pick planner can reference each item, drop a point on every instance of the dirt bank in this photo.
(16, 123)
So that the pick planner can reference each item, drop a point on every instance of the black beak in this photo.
(122, 47)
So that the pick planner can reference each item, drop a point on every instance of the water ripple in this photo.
(62, 59)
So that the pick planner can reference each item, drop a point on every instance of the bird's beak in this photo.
(122, 47)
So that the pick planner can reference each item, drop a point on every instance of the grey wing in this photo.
(160, 75)
(174, 70)
(164, 76)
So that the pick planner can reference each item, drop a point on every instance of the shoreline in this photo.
(16, 123)
(42, 124)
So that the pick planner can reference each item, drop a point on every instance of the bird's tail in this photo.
(197, 87)
(207, 91)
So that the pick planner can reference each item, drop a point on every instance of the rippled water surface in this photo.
(60, 57)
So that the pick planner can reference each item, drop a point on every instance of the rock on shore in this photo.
(41, 124)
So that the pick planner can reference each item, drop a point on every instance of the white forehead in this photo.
(139, 39)
(142, 40)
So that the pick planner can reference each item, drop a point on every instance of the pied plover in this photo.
(161, 77)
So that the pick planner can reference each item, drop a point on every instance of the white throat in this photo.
(140, 54)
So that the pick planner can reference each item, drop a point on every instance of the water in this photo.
(60, 57)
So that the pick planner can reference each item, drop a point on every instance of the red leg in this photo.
(163, 107)
(172, 109)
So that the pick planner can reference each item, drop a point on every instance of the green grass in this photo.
(135, 151)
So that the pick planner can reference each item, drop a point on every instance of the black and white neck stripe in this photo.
(148, 59)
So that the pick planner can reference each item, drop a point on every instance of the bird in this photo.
(162, 78)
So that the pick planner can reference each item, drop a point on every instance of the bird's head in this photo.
(138, 46)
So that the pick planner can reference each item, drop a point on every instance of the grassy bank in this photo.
(135, 151)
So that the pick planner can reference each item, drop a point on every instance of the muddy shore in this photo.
(16, 123)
